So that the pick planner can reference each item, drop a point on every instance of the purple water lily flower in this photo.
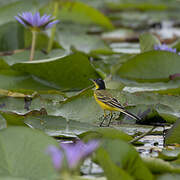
(164, 47)
(56, 155)
(74, 152)
(36, 21)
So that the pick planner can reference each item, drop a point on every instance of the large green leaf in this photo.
(111, 170)
(81, 107)
(150, 66)
(66, 72)
(13, 80)
(57, 125)
(23, 154)
(81, 13)
(126, 157)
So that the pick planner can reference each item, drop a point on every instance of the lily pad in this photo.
(125, 156)
(57, 125)
(13, 80)
(80, 12)
(66, 72)
(23, 154)
(111, 170)
(150, 66)
(108, 133)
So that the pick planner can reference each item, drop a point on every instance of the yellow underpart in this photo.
(105, 106)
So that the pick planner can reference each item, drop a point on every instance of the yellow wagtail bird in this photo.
(107, 102)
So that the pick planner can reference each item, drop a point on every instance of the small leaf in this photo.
(147, 42)
(173, 135)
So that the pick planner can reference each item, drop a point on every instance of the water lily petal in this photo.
(19, 20)
(51, 24)
(56, 156)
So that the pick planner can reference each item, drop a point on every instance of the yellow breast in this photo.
(103, 105)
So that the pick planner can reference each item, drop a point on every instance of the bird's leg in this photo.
(103, 118)
(111, 115)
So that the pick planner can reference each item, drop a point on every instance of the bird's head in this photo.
(99, 83)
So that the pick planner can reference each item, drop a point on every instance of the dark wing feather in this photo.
(108, 99)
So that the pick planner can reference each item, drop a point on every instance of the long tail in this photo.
(129, 114)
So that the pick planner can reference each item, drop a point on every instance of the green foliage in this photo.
(111, 170)
(124, 156)
(159, 166)
(52, 71)
(147, 42)
(105, 133)
(148, 66)
(53, 94)
(172, 136)
(23, 154)
(11, 40)
(80, 13)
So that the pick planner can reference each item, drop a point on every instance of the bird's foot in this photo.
(107, 117)
(102, 119)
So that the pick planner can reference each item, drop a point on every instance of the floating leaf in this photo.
(13, 80)
(66, 72)
(23, 154)
(80, 12)
(82, 42)
(111, 170)
(147, 42)
(57, 125)
(108, 133)
(169, 154)
(150, 66)
(159, 166)
(125, 156)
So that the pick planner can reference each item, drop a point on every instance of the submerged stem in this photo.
(53, 30)
(142, 135)
(34, 33)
